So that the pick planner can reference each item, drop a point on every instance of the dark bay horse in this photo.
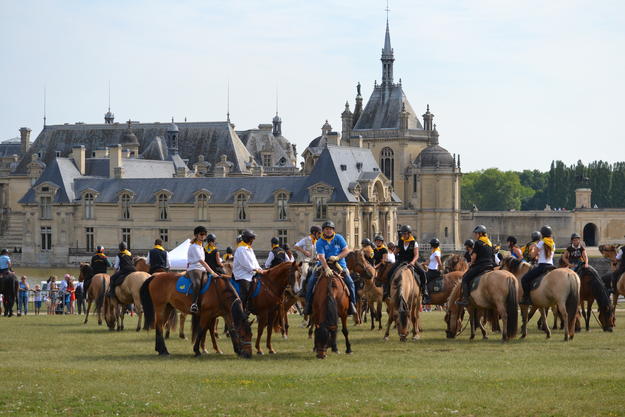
(159, 298)
(95, 289)
(592, 288)
(9, 287)
(370, 296)
(330, 301)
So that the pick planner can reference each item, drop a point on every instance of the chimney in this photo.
(582, 198)
(356, 141)
(333, 138)
(78, 155)
(25, 139)
(116, 168)
(101, 153)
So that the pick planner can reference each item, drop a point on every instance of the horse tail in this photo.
(195, 326)
(100, 298)
(512, 309)
(572, 300)
(173, 320)
(147, 304)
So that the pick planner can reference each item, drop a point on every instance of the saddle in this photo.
(476, 282)
(184, 285)
(345, 288)
(436, 285)
(254, 291)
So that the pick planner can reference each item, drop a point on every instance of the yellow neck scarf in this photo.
(549, 242)
(381, 247)
(196, 242)
(274, 246)
(209, 248)
(410, 239)
(159, 247)
(436, 250)
(126, 252)
(486, 240)
(328, 239)
(101, 254)
(247, 245)
(313, 239)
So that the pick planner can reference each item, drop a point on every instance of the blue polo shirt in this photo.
(332, 248)
(4, 262)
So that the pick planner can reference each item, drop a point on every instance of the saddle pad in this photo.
(537, 281)
(237, 287)
(476, 282)
(435, 285)
(183, 285)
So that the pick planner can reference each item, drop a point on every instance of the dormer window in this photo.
(89, 206)
(282, 203)
(267, 160)
(344, 167)
(163, 206)
(45, 205)
(125, 203)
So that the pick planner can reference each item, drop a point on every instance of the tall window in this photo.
(241, 206)
(164, 234)
(126, 236)
(321, 208)
(282, 204)
(202, 206)
(46, 238)
(125, 202)
(46, 207)
(446, 231)
(356, 234)
(414, 183)
(282, 236)
(162, 206)
(89, 206)
(387, 163)
(266, 159)
(89, 239)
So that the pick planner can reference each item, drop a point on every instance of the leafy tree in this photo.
(493, 189)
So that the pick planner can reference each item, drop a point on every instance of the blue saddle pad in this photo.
(183, 285)
(237, 287)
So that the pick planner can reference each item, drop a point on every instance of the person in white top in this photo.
(197, 268)
(435, 264)
(544, 251)
(620, 268)
(307, 247)
(390, 256)
(245, 266)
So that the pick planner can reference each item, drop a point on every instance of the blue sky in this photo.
(512, 84)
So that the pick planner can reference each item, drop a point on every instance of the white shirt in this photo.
(307, 244)
(542, 259)
(390, 257)
(245, 263)
(195, 254)
(619, 255)
(148, 260)
(433, 265)
(116, 263)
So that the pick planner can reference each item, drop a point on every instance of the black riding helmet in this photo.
(469, 242)
(98, 249)
(378, 238)
(546, 231)
(229, 250)
(275, 241)
(512, 239)
(247, 236)
(328, 223)
(405, 229)
(480, 229)
(211, 238)
(536, 236)
(4, 252)
(199, 230)
(435, 243)
(239, 239)
(575, 236)
(315, 229)
(123, 246)
(366, 242)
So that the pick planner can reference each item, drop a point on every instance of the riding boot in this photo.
(464, 301)
(196, 297)
(426, 293)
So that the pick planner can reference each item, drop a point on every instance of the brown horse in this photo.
(404, 304)
(160, 297)
(610, 251)
(370, 296)
(126, 293)
(98, 285)
(330, 301)
(455, 262)
(591, 289)
(266, 305)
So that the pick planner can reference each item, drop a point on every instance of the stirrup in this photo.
(462, 302)
(194, 308)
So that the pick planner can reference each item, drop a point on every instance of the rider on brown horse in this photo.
(331, 247)
(543, 251)
(211, 254)
(380, 252)
(482, 260)
(408, 253)
(197, 267)
(468, 250)
(575, 255)
(435, 264)
(99, 264)
(277, 255)
(123, 267)
(527, 249)
(245, 267)
(157, 258)
(620, 269)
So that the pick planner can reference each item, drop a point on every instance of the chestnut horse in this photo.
(330, 301)
(94, 292)
(404, 304)
(371, 294)
(160, 297)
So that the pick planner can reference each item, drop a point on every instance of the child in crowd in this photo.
(22, 297)
(37, 299)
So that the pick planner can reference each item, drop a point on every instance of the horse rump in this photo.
(147, 304)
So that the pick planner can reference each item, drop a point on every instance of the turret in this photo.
(427, 119)
(172, 138)
(347, 118)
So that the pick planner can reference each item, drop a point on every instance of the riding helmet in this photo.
(480, 229)
(378, 238)
(328, 223)
(469, 242)
(434, 242)
(512, 239)
(5, 251)
(98, 249)
(199, 230)
(536, 236)
(575, 236)
(366, 242)
(239, 239)
(211, 237)
(248, 235)
(228, 249)
(405, 229)
(123, 246)
(546, 231)
(315, 229)
(275, 241)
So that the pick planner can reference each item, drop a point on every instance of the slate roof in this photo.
(262, 140)
(211, 139)
(435, 156)
(10, 147)
(383, 108)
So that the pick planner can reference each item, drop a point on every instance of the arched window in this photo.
(281, 202)
(202, 206)
(387, 164)
(89, 206)
(125, 206)
(163, 202)
(241, 206)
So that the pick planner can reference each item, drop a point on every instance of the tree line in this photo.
(493, 189)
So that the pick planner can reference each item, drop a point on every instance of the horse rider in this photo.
(515, 251)
(482, 260)
(289, 256)
(99, 265)
(575, 255)
(380, 252)
(245, 267)
(331, 247)
(307, 247)
(197, 268)
(435, 265)
(468, 250)
(229, 254)
(158, 258)
(527, 249)
(408, 253)
(211, 254)
(620, 269)
(368, 249)
(543, 251)
(277, 254)
(5, 263)
(123, 267)
(390, 256)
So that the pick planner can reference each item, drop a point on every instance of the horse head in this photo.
(456, 262)
(241, 336)
(454, 314)
(608, 251)
(86, 272)
(141, 263)
(110, 316)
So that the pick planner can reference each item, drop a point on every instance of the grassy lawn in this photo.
(57, 366)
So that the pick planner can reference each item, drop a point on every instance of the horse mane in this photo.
(599, 291)
(86, 272)
(512, 264)
(137, 259)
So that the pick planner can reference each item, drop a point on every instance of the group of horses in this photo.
(493, 299)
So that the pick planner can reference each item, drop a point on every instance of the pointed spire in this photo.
(387, 42)
(109, 117)
(387, 56)
(44, 105)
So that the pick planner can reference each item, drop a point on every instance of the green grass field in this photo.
(57, 366)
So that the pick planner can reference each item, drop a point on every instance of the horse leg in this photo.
(388, 325)
(415, 323)
(348, 345)
(565, 318)
(524, 314)
(482, 325)
(87, 311)
(472, 314)
(181, 329)
(262, 322)
(212, 330)
(271, 316)
(160, 347)
(543, 315)
(589, 312)
(379, 315)
(501, 311)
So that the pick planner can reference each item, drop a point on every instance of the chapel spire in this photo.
(387, 58)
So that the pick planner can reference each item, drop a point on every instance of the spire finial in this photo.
(44, 105)
(387, 10)
(109, 95)
(228, 103)
(172, 119)
(428, 107)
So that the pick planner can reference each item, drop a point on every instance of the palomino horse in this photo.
(497, 291)
(559, 288)
(370, 295)
(591, 289)
(126, 293)
(330, 301)
(266, 305)
(160, 297)
(404, 303)
(95, 289)
(9, 287)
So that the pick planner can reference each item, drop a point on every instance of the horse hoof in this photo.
(348, 352)
(183, 337)
(197, 354)
(484, 337)
(204, 351)
(260, 352)
(164, 354)
(385, 338)
(219, 352)
(272, 352)
(285, 337)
